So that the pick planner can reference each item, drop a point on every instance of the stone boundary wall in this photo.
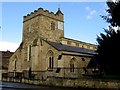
(74, 83)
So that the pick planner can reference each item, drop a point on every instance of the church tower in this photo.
(44, 24)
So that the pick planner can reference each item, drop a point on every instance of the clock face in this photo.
(60, 25)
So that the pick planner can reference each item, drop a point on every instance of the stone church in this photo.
(45, 52)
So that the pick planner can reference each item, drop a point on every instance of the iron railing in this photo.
(55, 72)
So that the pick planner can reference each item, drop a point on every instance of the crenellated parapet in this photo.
(77, 43)
(58, 15)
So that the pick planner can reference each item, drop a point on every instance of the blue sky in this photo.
(82, 19)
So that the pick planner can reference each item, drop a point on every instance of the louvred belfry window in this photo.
(52, 25)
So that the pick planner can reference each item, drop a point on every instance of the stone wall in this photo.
(85, 83)
(74, 83)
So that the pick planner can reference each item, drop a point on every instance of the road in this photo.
(21, 86)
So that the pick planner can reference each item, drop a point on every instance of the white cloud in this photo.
(5, 45)
(87, 8)
(88, 17)
(92, 12)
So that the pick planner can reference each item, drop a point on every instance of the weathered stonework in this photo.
(45, 52)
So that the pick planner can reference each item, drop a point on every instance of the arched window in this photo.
(71, 67)
(28, 52)
(51, 62)
(50, 57)
(72, 64)
(15, 63)
(52, 25)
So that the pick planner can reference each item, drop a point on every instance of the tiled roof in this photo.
(63, 47)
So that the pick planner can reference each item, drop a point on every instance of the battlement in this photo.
(58, 15)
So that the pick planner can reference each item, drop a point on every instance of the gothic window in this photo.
(28, 52)
(71, 67)
(72, 64)
(50, 57)
(51, 62)
(52, 25)
(15, 63)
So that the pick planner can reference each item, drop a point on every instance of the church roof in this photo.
(63, 47)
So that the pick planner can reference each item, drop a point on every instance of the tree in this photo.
(108, 51)
(108, 56)
(113, 16)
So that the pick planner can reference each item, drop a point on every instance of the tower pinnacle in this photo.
(59, 11)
